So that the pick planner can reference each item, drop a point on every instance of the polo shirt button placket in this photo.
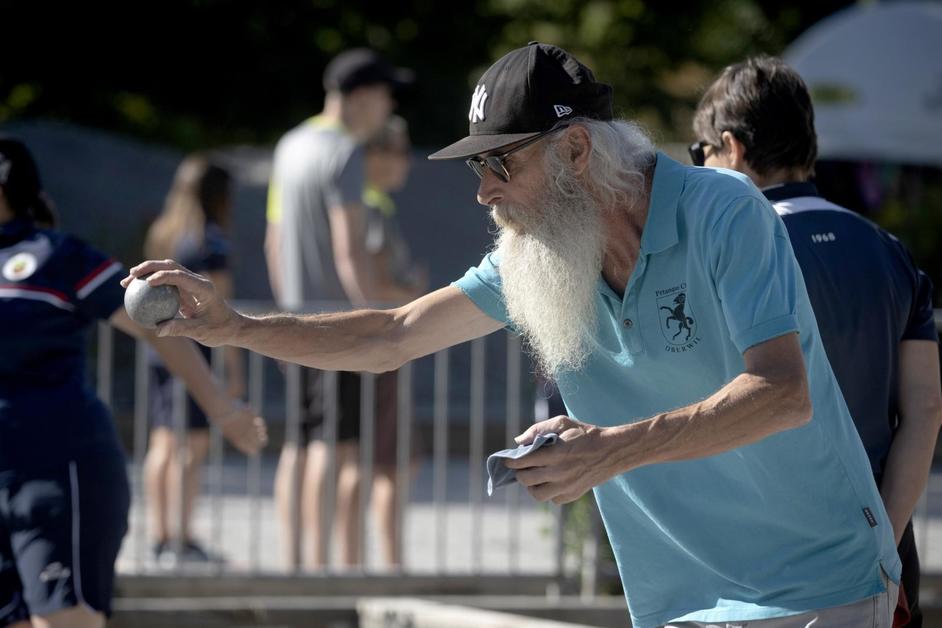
(632, 332)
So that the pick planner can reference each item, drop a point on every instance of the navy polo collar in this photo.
(792, 189)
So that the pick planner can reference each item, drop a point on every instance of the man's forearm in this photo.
(907, 470)
(362, 340)
(746, 410)
(272, 259)
(920, 415)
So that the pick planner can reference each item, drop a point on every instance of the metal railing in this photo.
(448, 529)
(488, 540)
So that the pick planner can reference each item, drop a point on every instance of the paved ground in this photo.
(437, 536)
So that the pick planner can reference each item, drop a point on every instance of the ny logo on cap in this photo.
(562, 110)
(477, 104)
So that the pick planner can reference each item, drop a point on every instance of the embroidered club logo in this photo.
(678, 322)
(19, 267)
(562, 110)
(478, 98)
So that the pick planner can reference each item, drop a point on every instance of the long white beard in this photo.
(550, 262)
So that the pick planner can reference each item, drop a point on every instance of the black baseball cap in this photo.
(19, 177)
(358, 67)
(528, 91)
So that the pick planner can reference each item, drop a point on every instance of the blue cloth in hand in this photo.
(497, 472)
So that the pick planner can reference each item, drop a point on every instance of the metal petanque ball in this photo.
(149, 305)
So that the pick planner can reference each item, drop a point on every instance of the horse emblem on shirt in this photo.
(677, 324)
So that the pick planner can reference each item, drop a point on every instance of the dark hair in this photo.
(765, 104)
(21, 186)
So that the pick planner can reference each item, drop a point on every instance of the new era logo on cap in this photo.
(478, 98)
(562, 110)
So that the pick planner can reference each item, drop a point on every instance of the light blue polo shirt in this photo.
(791, 523)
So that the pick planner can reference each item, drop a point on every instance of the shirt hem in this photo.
(848, 596)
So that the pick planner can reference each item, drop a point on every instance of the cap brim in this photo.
(480, 144)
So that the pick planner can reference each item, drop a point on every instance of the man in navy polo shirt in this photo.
(667, 304)
(873, 305)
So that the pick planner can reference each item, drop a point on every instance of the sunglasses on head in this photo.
(697, 154)
(495, 163)
(697, 151)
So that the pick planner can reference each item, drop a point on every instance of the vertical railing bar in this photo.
(476, 462)
(367, 425)
(141, 393)
(403, 455)
(216, 461)
(513, 430)
(179, 419)
(256, 390)
(331, 413)
(293, 438)
(440, 438)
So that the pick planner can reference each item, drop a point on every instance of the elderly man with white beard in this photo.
(666, 303)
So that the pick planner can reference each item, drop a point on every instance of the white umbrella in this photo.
(875, 74)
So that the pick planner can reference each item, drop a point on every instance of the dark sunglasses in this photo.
(495, 163)
(697, 156)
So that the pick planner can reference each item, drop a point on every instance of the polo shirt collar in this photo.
(660, 228)
(791, 189)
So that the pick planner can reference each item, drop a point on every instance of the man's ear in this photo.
(579, 145)
(735, 150)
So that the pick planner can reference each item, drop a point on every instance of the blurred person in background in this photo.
(193, 226)
(872, 303)
(64, 493)
(316, 254)
(396, 280)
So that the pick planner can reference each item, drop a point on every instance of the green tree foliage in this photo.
(658, 55)
(199, 73)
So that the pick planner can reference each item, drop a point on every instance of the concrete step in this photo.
(487, 611)
(336, 584)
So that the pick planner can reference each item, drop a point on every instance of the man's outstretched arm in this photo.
(361, 340)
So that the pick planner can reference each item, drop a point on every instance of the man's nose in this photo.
(489, 192)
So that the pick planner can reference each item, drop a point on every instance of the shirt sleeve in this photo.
(347, 186)
(96, 287)
(273, 209)
(482, 285)
(921, 322)
(757, 278)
